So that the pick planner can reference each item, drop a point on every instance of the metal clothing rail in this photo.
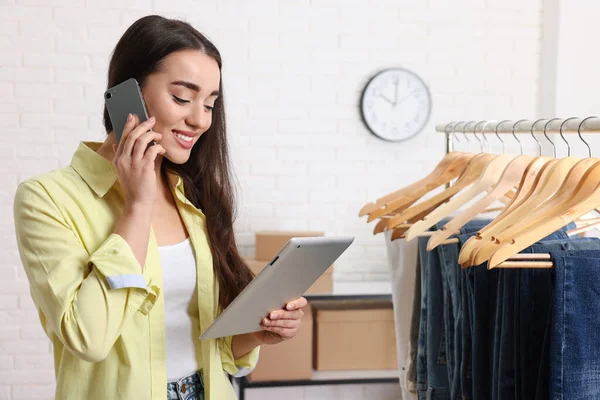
(571, 125)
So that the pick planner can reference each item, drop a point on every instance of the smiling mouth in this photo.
(183, 137)
(184, 141)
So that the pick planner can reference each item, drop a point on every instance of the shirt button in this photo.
(183, 388)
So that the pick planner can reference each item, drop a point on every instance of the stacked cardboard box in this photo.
(348, 339)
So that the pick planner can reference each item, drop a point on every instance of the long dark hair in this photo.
(206, 175)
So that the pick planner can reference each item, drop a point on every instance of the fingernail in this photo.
(129, 117)
(265, 321)
(290, 306)
(273, 315)
(151, 120)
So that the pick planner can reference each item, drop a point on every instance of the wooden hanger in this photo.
(555, 178)
(569, 188)
(529, 181)
(399, 204)
(482, 237)
(584, 199)
(539, 206)
(525, 179)
(576, 186)
(511, 177)
(470, 175)
(546, 185)
(416, 192)
(488, 178)
(487, 189)
(450, 162)
(449, 167)
(400, 229)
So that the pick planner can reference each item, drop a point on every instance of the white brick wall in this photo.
(293, 75)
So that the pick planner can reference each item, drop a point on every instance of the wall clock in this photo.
(395, 104)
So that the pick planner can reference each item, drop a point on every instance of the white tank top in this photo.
(181, 309)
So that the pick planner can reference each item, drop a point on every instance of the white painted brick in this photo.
(284, 196)
(65, 16)
(74, 45)
(24, 347)
(284, 168)
(24, 13)
(54, 3)
(25, 301)
(6, 363)
(40, 104)
(33, 331)
(28, 90)
(8, 273)
(53, 120)
(28, 362)
(8, 302)
(7, 89)
(26, 74)
(100, 5)
(36, 391)
(9, 120)
(305, 126)
(9, 28)
(10, 59)
(9, 332)
(260, 209)
(38, 59)
(44, 377)
(263, 183)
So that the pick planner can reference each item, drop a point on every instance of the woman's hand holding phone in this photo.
(134, 162)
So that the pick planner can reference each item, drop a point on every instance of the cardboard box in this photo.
(355, 340)
(323, 285)
(288, 360)
(268, 243)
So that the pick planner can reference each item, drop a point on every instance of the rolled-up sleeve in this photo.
(86, 296)
(237, 367)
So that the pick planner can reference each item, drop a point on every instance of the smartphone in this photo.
(122, 99)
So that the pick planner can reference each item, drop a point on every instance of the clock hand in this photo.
(406, 97)
(386, 98)
(396, 93)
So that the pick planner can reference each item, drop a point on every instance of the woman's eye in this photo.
(209, 108)
(180, 101)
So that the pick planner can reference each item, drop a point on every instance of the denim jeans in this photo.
(499, 306)
(432, 378)
(575, 343)
(439, 307)
(533, 294)
(522, 317)
(190, 387)
(452, 293)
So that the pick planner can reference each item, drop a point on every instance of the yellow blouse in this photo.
(104, 317)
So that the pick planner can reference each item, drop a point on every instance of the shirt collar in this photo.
(98, 172)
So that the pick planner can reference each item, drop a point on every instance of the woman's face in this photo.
(181, 97)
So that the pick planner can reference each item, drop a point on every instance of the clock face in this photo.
(395, 104)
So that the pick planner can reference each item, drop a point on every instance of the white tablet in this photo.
(287, 277)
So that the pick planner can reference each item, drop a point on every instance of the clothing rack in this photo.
(572, 125)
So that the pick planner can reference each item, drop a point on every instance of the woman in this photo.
(130, 250)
